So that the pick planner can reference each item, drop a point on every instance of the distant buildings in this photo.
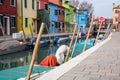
(115, 13)
(27, 16)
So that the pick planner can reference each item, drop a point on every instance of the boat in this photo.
(63, 40)
(11, 46)
(43, 43)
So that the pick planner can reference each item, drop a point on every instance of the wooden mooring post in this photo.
(70, 45)
(84, 48)
(35, 52)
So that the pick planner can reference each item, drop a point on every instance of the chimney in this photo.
(113, 5)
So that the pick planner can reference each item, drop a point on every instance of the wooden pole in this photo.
(98, 33)
(3, 32)
(75, 41)
(35, 51)
(24, 36)
(84, 48)
(70, 45)
(31, 31)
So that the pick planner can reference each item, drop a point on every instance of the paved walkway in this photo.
(103, 64)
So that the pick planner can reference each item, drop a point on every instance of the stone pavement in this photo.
(103, 64)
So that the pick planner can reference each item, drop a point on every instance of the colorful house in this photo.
(8, 12)
(61, 27)
(82, 19)
(53, 16)
(42, 14)
(115, 12)
(68, 18)
(26, 15)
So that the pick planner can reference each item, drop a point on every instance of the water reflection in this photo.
(24, 57)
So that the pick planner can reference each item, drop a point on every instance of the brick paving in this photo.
(103, 64)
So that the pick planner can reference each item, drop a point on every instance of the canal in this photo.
(24, 57)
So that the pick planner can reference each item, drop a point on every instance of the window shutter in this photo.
(46, 6)
(32, 4)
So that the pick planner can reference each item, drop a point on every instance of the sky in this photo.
(103, 7)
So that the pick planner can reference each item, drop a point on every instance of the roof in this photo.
(117, 7)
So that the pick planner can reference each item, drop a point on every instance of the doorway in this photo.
(7, 25)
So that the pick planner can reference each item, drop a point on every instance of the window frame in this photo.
(1, 1)
(83, 19)
(25, 4)
(14, 25)
(33, 4)
(14, 4)
(26, 22)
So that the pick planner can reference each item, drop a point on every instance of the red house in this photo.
(42, 4)
(61, 19)
(56, 2)
(8, 13)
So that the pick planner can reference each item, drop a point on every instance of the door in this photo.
(7, 25)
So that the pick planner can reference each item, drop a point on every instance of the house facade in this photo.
(82, 19)
(115, 12)
(61, 27)
(27, 15)
(53, 18)
(68, 16)
(42, 14)
(8, 14)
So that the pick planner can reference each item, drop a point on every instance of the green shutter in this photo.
(26, 22)
(25, 3)
(32, 4)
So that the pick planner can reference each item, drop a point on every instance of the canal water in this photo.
(24, 57)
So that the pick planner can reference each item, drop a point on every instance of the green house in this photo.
(68, 16)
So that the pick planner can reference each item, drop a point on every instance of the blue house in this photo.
(53, 16)
(82, 19)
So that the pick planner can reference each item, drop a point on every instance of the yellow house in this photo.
(26, 16)
(115, 12)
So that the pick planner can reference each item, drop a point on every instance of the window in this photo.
(1, 1)
(80, 13)
(116, 19)
(33, 4)
(46, 6)
(116, 11)
(56, 24)
(12, 2)
(56, 12)
(25, 3)
(12, 21)
(59, 12)
(60, 0)
(82, 19)
(26, 22)
(49, 10)
(63, 13)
